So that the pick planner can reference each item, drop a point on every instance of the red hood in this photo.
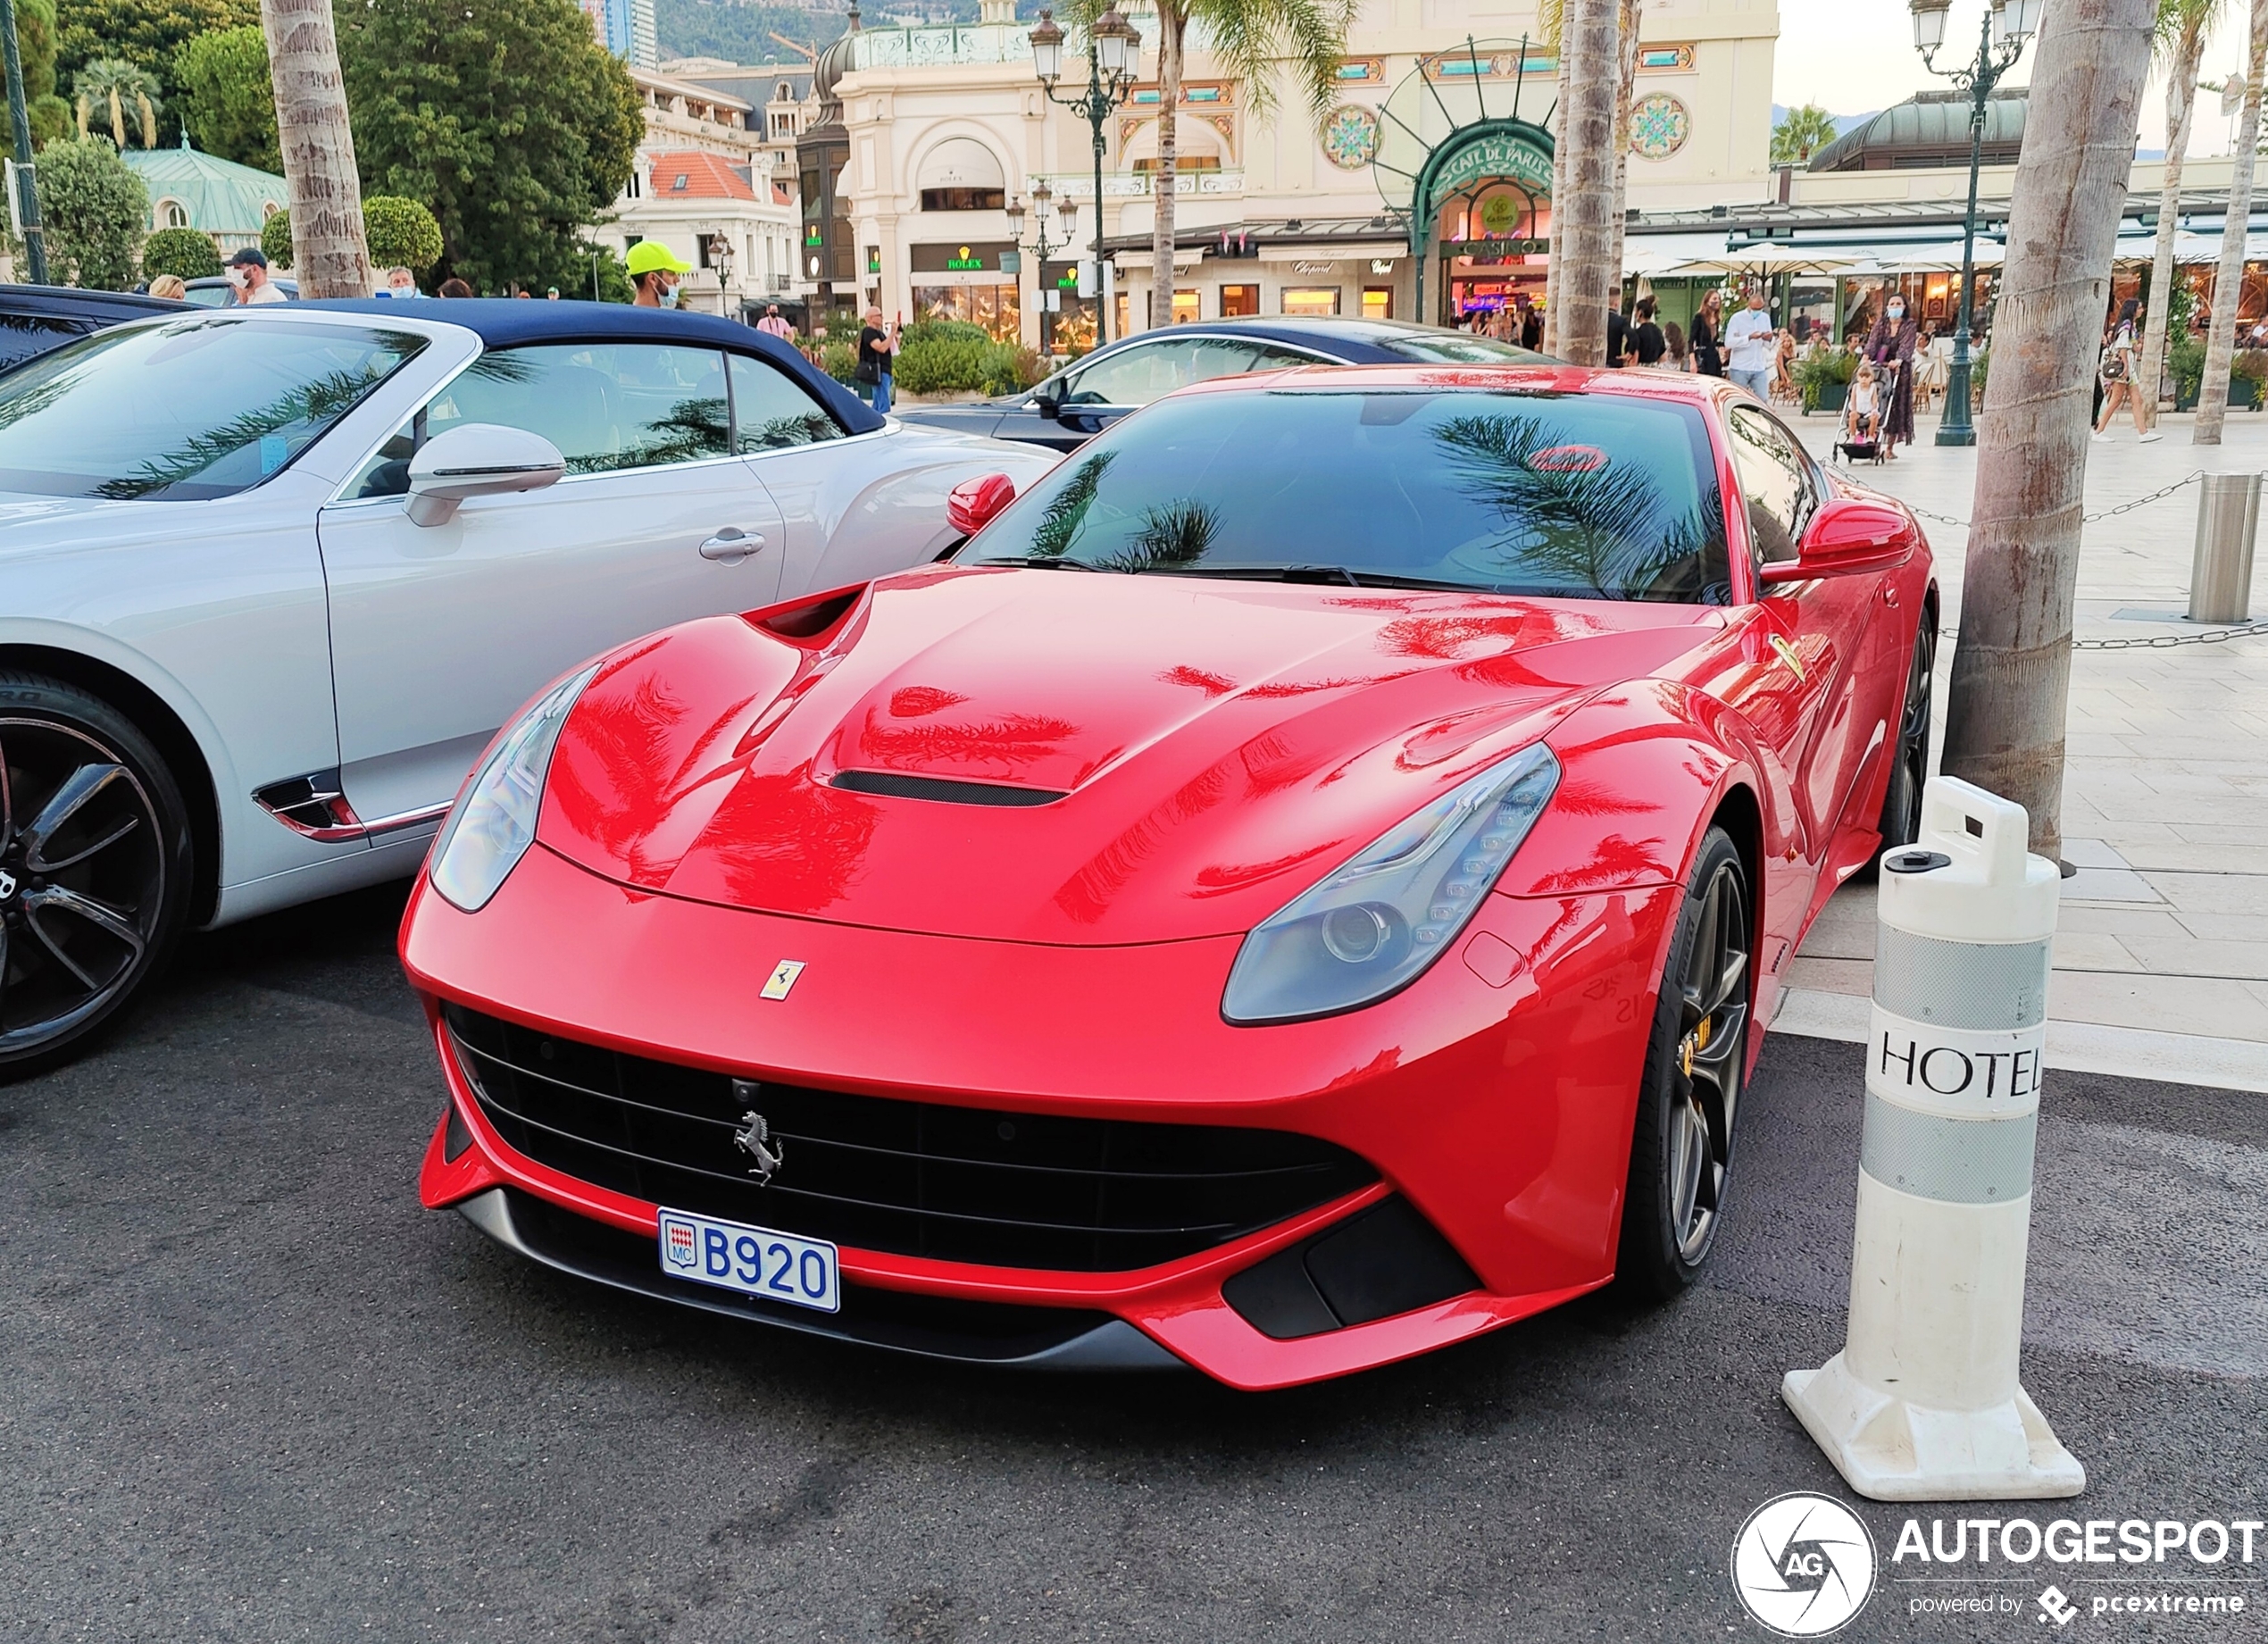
(1219, 744)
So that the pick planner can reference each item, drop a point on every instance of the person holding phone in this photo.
(877, 342)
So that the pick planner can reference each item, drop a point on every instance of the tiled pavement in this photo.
(2162, 954)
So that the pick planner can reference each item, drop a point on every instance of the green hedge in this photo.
(953, 363)
(187, 252)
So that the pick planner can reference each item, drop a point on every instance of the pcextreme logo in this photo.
(1803, 1565)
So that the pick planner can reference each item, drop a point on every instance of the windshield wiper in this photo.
(1336, 574)
(1036, 562)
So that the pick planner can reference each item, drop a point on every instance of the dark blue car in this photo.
(1088, 394)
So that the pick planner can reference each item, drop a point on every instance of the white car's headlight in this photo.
(495, 822)
(1373, 926)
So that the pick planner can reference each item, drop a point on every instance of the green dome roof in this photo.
(218, 195)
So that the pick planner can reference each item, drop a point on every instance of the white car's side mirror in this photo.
(478, 459)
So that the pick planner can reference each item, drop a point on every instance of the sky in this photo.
(1851, 57)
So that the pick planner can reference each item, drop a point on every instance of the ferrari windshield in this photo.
(1509, 491)
(185, 410)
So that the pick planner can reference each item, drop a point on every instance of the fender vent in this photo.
(942, 790)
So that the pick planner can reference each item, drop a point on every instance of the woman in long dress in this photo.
(1891, 343)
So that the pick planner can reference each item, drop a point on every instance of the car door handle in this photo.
(731, 544)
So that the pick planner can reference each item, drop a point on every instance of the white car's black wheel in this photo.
(1689, 1094)
(94, 866)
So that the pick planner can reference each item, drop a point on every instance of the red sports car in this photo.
(1304, 884)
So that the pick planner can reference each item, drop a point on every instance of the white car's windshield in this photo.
(191, 409)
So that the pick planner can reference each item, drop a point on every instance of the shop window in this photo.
(1121, 313)
(1378, 302)
(997, 308)
(1307, 301)
(964, 199)
(1240, 301)
(1185, 307)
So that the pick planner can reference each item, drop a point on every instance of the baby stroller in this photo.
(1862, 440)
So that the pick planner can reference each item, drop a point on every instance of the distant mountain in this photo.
(1843, 122)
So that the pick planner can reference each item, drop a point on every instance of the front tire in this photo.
(1901, 821)
(1689, 1097)
(94, 868)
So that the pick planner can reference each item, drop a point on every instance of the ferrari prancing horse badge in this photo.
(783, 977)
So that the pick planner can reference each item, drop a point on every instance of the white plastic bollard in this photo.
(1922, 1403)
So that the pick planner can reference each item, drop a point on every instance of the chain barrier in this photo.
(2085, 519)
(2154, 642)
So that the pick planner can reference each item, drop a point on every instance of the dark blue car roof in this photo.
(505, 323)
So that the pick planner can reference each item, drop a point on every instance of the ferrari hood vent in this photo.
(943, 791)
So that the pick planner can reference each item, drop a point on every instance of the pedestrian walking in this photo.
(170, 285)
(1890, 346)
(1750, 341)
(1646, 340)
(398, 284)
(454, 287)
(1618, 337)
(654, 271)
(772, 325)
(1708, 354)
(2116, 369)
(877, 342)
(247, 272)
(1531, 328)
(1675, 356)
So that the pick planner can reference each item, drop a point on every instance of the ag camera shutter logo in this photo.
(1803, 1565)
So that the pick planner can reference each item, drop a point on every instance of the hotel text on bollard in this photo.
(1922, 1403)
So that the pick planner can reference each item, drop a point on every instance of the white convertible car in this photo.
(269, 578)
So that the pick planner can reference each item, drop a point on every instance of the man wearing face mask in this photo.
(655, 272)
(247, 271)
(1890, 347)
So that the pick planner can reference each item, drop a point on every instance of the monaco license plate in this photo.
(755, 1261)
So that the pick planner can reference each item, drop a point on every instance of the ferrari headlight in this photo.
(1374, 925)
(495, 822)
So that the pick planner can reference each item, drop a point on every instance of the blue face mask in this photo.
(667, 296)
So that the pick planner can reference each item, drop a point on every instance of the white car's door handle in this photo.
(731, 544)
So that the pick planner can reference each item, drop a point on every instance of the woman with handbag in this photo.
(1707, 339)
(2116, 369)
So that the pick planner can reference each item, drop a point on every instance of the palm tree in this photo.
(1551, 28)
(1626, 33)
(328, 249)
(2182, 26)
(107, 82)
(2011, 669)
(1803, 131)
(1582, 241)
(2227, 284)
(1249, 40)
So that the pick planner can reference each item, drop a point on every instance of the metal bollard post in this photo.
(1924, 1403)
(2221, 571)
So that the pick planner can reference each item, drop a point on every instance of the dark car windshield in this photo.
(1458, 348)
(192, 409)
(1542, 493)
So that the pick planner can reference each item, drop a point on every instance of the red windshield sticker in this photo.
(1568, 460)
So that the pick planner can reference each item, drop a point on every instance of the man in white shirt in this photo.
(1750, 338)
(247, 271)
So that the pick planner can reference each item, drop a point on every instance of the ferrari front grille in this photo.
(907, 1177)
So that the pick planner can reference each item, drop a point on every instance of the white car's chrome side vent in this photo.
(316, 807)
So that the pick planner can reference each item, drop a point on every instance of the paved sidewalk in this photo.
(2161, 957)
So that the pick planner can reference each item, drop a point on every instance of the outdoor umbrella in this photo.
(1765, 262)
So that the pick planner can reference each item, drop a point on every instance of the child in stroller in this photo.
(1864, 408)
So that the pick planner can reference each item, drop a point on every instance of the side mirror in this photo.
(1846, 536)
(478, 459)
(973, 502)
(1048, 397)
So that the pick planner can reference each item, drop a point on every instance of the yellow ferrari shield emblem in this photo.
(783, 977)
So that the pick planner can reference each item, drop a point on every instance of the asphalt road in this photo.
(250, 1390)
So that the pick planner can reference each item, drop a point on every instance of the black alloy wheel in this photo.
(1681, 1150)
(94, 867)
(1901, 822)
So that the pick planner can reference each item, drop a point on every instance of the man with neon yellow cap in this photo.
(654, 274)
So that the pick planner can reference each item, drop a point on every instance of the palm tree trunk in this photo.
(1172, 24)
(1626, 28)
(1581, 246)
(2229, 283)
(329, 251)
(117, 120)
(1564, 111)
(2011, 669)
(2180, 104)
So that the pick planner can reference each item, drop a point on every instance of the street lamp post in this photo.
(720, 256)
(1113, 49)
(1040, 247)
(2000, 41)
(19, 97)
